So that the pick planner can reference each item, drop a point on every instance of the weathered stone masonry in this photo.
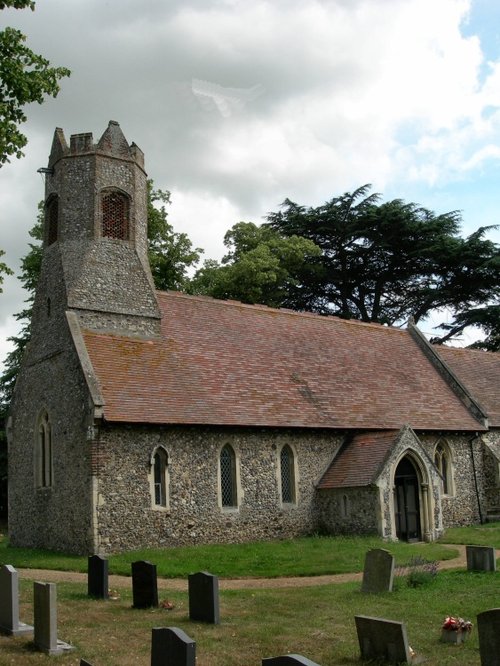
(100, 494)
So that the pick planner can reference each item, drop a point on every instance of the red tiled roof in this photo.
(479, 371)
(359, 460)
(222, 362)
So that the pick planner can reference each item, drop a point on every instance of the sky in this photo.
(238, 105)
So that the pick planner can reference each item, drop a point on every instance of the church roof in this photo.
(359, 461)
(480, 372)
(227, 363)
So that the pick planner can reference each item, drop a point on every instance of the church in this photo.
(157, 419)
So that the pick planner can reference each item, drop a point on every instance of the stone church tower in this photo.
(95, 275)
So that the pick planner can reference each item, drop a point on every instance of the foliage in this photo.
(391, 261)
(418, 572)
(4, 270)
(171, 254)
(25, 77)
(261, 266)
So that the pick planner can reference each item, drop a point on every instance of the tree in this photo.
(171, 254)
(261, 267)
(25, 77)
(4, 270)
(388, 262)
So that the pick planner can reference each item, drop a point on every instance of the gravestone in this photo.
(204, 597)
(97, 577)
(288, 660)
(85, 663)
(382, 639)
(45, 614)
(481, 558)
(9, 603)
(144, 585)
(378, 573)
(170, 646)
(488, 629)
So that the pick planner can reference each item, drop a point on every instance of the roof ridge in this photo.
(286, 311)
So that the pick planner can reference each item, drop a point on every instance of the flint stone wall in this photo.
(461, 506)
(127, 519)
(56, 517)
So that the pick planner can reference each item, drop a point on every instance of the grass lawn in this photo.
(476, 535)
(309, 556)
(317, 622)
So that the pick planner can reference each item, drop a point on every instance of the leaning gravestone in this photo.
(288, 660)
(144, 585)
(45, 614)
(204, 597)
(488, 629)
(170, 646)
(9, 603)
(382, 639)
(97, 577)
(378, 574)
(481, 558)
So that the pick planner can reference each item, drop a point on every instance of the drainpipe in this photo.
(481, 518)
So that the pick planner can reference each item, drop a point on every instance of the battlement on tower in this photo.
(112, 143)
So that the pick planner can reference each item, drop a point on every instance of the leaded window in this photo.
(160, 463)
(228, 477)
(115, 215)
(287, 475)
(443, 464)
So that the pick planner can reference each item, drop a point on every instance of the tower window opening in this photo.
(52, 219)
(115, 216)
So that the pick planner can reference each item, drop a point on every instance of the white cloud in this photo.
(354, 91)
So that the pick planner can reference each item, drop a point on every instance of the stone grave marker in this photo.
(378, 573)
(45, 614)
(288, 660)
(9, 603)
(144, 585)
(170, 646)
(382, 639)
(488, 628)
(204, 597)
(85, 663)
(481, 558)
(97, 577)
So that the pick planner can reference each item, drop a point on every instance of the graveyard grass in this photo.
(317, 622)
(309, 556)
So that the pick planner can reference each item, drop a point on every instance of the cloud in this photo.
(392, 92)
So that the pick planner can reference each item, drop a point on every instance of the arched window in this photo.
(287, 473)
(228, 487)
(344, 506)
(115, 215)
(442, 460)
(52, 219)
(43, 453)
(159, 477)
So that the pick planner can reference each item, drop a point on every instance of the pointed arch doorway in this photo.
(407, 501)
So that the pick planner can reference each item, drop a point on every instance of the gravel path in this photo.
(180, 584)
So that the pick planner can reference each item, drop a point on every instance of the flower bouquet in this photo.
(455, 629)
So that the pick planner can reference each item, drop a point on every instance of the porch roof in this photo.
(359, 461)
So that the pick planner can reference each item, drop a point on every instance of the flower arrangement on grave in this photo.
(166, 604)
(456, 624)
